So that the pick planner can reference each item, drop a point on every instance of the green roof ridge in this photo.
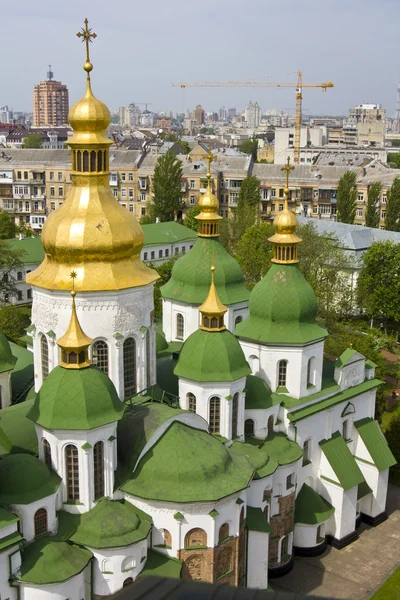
(345, 357)
(311, 508)
(342, 461)
(168, 232)
(375, 443)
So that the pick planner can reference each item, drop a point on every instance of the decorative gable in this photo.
(349, 369)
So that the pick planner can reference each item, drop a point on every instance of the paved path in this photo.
(358, 570)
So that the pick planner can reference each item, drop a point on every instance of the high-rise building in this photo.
(6, 115)
(253, 115)
(222, 113)
(365, 125)
(198, 115)
(50, 102)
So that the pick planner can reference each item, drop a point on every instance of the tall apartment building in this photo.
(252, 115)
(198, 115)
(50, 103)
(365, 126)
(6, 115)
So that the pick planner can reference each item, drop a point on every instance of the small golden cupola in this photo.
(285, 240)
(91, 233)
(208, 218)
(74, 344)
(212, 310)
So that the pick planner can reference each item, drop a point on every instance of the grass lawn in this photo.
(390, 589)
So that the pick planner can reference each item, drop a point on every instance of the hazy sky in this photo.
(143, 46)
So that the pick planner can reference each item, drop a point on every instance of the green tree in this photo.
(393, 160)
(378, 286)
(396, 143)
(189, 220)
(167, 187)
(254, 252)
(10, 264)
(147, 219)
(347, 197)
(392, 219)
(250, 146)
(172, 137)
(393, 435)
(33, 140)
(13, 322)
(7, 226)
(244, 215)
(373, 205)
(164, 270)
(250, 193)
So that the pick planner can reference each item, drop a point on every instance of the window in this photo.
(59, 174)
(270, 425)
(19, 295)
(144, 255)
(306, 452)
(249, 427)
(98, 470)
(223, 532)
(152, 254)
(123, 192)
(127, 582)
(160, 252)
(40, 521)
(52, 206)
(129, 368)
(44, 348)
(311, 372)
(143, 211)
(280, 207)
(383, 214)
(100, 355)
(61, 191)
(192, 184)
(359, 212)
(315, 210)
(130, 176)
(360, 197)
(131, 208)
(235, 409)
(238, 320)
(282, 369)
(123, 177)
(214, 419)
(179, 326)
(20, 276)
(72, 464)
(29, 294)
(176, 251)
(191, 402)
(166, 252)
(46, 453)
(115, 192)
(183, 249)
(128, 564)
(192, 200)
(290, 481)
(346, 430)
(196, 537)
(52, 191)
(130, 192)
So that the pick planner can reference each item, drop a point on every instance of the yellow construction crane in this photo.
(299, 97)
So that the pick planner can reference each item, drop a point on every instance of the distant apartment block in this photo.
(50, 103)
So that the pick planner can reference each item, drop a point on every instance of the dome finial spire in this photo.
(212, 310)
(87, 36)
(285, 239)
(208, 218)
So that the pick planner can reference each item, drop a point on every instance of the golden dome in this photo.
(74, 343)
(212, 309)
(208, 217)
(91, 233)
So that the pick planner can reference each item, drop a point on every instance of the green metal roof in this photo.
(111, 524)
(10, 540)
(161, 565)
(311, 409)
(5, 443)
(31, 249)
(188, 465)
(48, 561)
(278, 447)
(375, 443)
(80, 399)
(342, 461)
(7, 517)
(134, 431)
(170, 232)
(258, 394)
(283, 309)
(22, 376)
(311, 508)
(7, 359)
(24, 479)
(20, 430)
(256, 520)
(345, 357)
(363, 490)
(262, 463)
(212, 356)
(191, 275)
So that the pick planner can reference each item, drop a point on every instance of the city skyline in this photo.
(128, 66)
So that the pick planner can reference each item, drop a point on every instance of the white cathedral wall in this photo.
(10, 562)
(109, 316)
(257, 560)
(305, 536)
(26, 512)
(223, 390)
(194, 515)
(264, 362)
(192, 317)
(111, 567)
(76, 588)
(374, 504)
(255, 491)
(260, 418)
(58, 441)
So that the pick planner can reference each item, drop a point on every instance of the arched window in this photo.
(100, 161)
(249, 427)
(79, 161)
(270, 425)
(284, 549)
(85, 161)
(266, 512)
(254, 362)
(100, 356)
(19, 276)
(215, 414)
(40, 521)
(98, 470)
(93, 161)
(311, 372)
(179, 327)
(44, 349)
(223, 532)
(47, 453)
(196, 537)
(191, 402)
(129, 368)
(238, 320)
(127, 582)
(106, 566)
(346, 430)
(167, 538)
(282, 370)
(193, 568)
(235, 409)
(306, 452)
(128, 563)
(72, 464)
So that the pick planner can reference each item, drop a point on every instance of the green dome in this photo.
(191, 275)
(188, 465)
(283, 309)
(7, 359)
(212, 356)
(111, 524)
(79, 399)
(24, 479)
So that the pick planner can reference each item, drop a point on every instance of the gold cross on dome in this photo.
(209, 157)
(288, 167)
(87, 37)
(73, 275)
